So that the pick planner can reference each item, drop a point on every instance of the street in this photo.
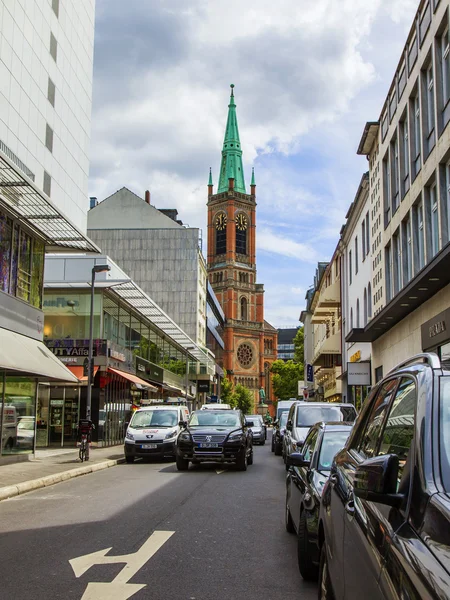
(225, 535)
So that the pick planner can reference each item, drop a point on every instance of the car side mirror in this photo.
(182, 424)
(297, 459)
(375, 480)
(289, 425)
(249, 423)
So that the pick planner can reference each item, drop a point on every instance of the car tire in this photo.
(288, 519)
(278, 450)
(129, 460)
(308, 570)
(182, 464)
(250, 458)
(325, 591)
(242, 462)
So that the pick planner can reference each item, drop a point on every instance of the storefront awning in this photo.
(78, 372)
(134, 379)
(23, 355)
(174, 390)
(23, 197)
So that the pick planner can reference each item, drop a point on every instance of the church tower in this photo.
(250, 342)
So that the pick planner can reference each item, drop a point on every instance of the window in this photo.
(363, 239)
(55, 7)
(221, 239)
(419, 240)
(51, 90)
(241, 240)
(404, 166)
(351, 319)
(378, 374)
(388, 269)
(445, 199)
(365, 308)
(412, 53)
(367, 233)
(407, 249)
(369, 442)
(47, 185)
(350, 266)
(244, 316)
(356, 254)
(49, 137)
(430, 99)
(357, 313)
(310, 444)
(369, 301)
(415, 123)
(394, 174)
(445, 66)
(396, 260)
(387, 190)
(433, 228)
(53, 47)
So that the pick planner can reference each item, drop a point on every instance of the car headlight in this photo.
(185, 436)
(129, 436)
(235, 437)
(171, 435)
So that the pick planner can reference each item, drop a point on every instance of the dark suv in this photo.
(384, 526)
(215, 436)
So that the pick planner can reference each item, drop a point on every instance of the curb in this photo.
(35, 484)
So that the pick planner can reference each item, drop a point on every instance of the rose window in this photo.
(245, 355)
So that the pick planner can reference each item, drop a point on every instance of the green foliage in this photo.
(285, 377)
(299, 346)
(242, 399)
(226, 389)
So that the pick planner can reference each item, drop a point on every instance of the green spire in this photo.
(253, 176)
(210, 177)
(231, 165)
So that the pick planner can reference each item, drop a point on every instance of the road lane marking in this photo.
(219, 472)
(119, 588)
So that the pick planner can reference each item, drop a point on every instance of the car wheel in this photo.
(250, 458)
(278, 450)
(242, 462)
(129, 459)
(288, 519)
(325, 589)
(182, 464)
(308, 570)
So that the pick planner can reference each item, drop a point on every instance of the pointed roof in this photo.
(231, 165)
(253, 177)
(210, 181)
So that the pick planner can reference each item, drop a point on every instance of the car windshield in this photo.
(283, 419)
(444, 437)
(226, 418)
(26, 425)
(154, 418)
(256, 419)
(332, 442)
(307, 416)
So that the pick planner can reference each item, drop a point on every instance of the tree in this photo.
(226, 388)
(242, 399)
(299, 346)
(285, 378)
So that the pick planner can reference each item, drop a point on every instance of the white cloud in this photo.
(268, 241)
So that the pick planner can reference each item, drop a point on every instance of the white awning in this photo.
(24, 355)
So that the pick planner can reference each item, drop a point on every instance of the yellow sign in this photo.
(355, 357)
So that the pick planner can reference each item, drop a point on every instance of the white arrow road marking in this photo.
(119, 588)
(219, 472)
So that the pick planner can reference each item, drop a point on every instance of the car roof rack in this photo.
(429, 358)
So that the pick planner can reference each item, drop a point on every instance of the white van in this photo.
(153, 431)
(284, 406)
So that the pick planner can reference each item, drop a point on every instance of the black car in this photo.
(384, 527)
(215, 436)
(308, 472)
(278, 432)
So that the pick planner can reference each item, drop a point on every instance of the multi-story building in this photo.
(160, 254)
(286, 347)
(409, 152)
(326, 330)
(46, 58)
(140, 353)
(356, 293)
(308, 345)
(250, 341)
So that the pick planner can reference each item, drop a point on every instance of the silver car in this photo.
(258, 428)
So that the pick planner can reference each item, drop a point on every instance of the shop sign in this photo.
(358, 373)
(436, 330)
(203, 386)
(75, 351)
(355, 357)
(309, 373)
(148, 370)
(117, 355)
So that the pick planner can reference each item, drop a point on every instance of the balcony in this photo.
(330, 297)
(330, 345)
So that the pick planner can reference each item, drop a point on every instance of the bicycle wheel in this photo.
(82, 453)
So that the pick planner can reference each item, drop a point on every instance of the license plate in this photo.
(208, 445)
(149, 446)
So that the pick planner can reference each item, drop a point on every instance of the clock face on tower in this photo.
(221, 221)
(241, 222)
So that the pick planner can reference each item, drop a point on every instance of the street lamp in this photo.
(96, 269)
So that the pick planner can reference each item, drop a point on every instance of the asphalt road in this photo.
(226, 538)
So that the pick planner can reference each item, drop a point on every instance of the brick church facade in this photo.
(250, 341)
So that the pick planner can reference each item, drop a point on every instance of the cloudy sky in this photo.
(308, 76)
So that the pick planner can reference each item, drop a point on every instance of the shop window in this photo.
(19, 413)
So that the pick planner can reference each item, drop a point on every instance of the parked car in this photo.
(215, 436)
(303, 415)
(284, 406)
(278, 434)
(215, 406)
(259, 429)
(308, 472)
(384, 528)
(153, 431)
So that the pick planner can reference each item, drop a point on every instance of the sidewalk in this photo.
(53, 466)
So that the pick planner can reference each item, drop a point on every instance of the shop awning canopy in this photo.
(23, 355)
(78, 372)
(134, 379)
(23, 197)
(174, 390)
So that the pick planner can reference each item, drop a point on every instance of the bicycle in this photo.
(84, 448)
(85, 427)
